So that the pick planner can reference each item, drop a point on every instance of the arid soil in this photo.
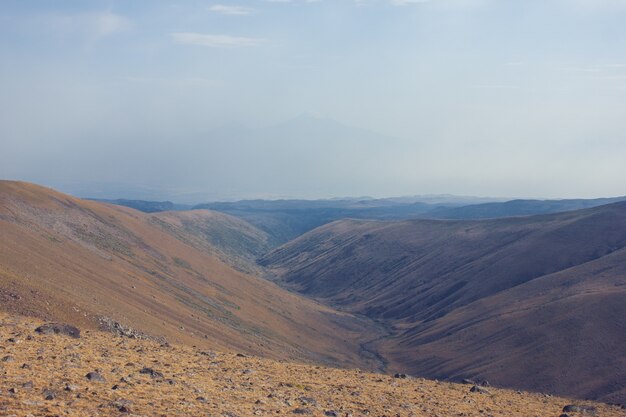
(47, 375)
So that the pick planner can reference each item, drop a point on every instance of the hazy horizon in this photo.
(227, 100)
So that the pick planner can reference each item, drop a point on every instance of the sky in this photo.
(200, 101)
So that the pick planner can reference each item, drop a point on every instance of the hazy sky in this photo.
(202, 100)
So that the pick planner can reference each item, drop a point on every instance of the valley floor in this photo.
(45, 375)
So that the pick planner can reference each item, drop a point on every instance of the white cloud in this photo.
(231, 10)
(406, 2)
(108, 23)
(215, 41)
(93, 25)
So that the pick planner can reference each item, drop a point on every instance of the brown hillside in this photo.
(536, 303)
(85, 263)
(46, 375)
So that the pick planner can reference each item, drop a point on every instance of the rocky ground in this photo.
(102, 374)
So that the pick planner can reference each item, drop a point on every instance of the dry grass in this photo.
(201, 383)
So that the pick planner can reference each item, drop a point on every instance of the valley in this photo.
(533, 302)
(481, 299)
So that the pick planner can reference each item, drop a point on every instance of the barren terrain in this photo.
(47, 375)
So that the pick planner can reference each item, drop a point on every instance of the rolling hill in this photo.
(285, 220)
(158, 275)
(515, 208)
(528, 302)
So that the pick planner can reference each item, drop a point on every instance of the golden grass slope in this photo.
(190, 381)
(78, 261)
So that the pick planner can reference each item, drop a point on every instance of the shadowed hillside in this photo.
(141, 205)
(513, 208)
(93, 264)
(233, 240)
(533, 302)
(284, 220)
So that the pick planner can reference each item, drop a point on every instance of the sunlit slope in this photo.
(82, 261)
(138, 377)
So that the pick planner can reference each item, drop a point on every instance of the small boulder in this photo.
(479, 389)
(94, 377)
(49, 395)
(58, 328)
(402, 376)
(151, 372)
(308, 401)
(584, 409)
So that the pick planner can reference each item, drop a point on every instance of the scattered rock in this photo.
(402, 376)
(201, 399)
(151, 372)
(12, 390)
(58, 328)
(302, 411)
(71, 387)
(241, 355)
(8, 358)
(479, 389)
(585, 409)
(308, 401)
(95, 377)
(210, 354)
(49, 395)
